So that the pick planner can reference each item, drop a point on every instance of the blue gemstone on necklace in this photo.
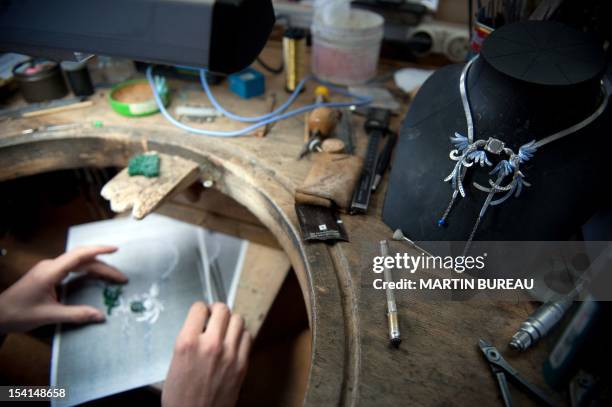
(442, 222)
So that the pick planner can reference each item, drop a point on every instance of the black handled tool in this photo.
(376, 125)
(383, 160)
(501, 369)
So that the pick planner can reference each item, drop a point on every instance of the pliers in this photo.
(501, 369)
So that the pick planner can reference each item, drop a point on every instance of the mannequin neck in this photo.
(517, 111)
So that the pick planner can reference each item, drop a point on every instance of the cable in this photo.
(267, 118)
(252, 119)
(269, 68)
(360, 100)
(264, 64)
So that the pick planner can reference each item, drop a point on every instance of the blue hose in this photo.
(259, 121)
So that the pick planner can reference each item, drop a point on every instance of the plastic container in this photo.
(346, 51)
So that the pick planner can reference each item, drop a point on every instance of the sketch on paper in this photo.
(169, 266)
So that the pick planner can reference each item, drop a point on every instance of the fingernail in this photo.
(98, 317)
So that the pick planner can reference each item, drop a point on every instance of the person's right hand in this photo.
(210, 359)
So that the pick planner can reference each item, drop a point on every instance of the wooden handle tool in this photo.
(322, 121)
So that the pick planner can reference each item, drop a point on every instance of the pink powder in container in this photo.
(346, 53)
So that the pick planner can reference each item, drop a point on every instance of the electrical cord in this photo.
(357, 100)
(260, 121)
(269, 68)
(252, 119)
(264, 64)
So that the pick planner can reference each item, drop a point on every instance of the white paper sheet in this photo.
(168, 264)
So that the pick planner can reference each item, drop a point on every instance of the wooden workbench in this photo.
(438, 362)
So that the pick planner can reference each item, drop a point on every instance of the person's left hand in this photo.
(32, 301)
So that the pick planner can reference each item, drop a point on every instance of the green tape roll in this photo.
(135, 109)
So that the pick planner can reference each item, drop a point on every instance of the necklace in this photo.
(467, 152)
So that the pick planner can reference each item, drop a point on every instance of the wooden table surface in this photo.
(438, 362)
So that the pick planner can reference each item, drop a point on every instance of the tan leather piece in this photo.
(331, 181)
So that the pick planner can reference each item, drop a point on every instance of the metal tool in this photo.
(38, 109)
(399, 235)
(503, 371)
(344, 131)
(202, 114)
(377, 126)
(217, 281)
(538, 324)
(321, 123)
(392, 320)
(383, 160)
(263, 131)
(57, 127)
(549, 314)
(314, 144)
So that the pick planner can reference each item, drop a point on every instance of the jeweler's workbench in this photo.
(438, 362)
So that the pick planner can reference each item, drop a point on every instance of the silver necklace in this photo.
(467, 152)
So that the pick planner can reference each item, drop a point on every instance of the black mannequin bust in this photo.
(532, 79)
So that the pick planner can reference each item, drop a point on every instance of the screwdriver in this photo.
(321, 123)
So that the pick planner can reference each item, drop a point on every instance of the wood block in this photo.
(220, 223)
(263, 273)
(144, 194)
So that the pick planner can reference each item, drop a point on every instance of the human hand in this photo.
(32, 301)
(210, 359)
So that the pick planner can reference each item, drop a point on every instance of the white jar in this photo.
(346, 51)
